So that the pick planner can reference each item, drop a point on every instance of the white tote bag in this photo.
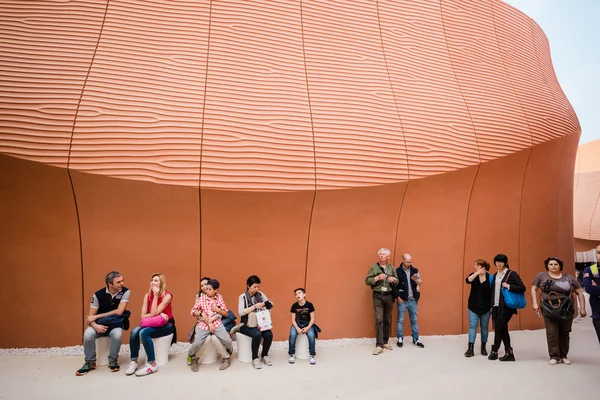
(264, 320)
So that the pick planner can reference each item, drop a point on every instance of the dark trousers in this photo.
(383, 303)
(597, 327)
(501, 318)
(557, 336)
(257, 335)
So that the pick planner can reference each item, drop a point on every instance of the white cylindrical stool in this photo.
(302, 347)
(102, 350)
(244, 347)
(208, 352)
(161, 349)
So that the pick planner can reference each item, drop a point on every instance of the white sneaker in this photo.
(131, 368)
(267, 361)
(312, 360)
(256, 363)
(147, 370)
(566, 361)
(553, 361)
(292, 359)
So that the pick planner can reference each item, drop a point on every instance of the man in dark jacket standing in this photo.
(591, 283)
(108, 301)
(407, 294)
(382, 278)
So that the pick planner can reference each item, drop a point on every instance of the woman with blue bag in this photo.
(480, 300)
(508, 296)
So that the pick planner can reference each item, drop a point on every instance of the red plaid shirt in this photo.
(204, 304)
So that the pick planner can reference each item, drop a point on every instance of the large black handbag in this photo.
(557, 309)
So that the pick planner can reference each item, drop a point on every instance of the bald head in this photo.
(406, 260)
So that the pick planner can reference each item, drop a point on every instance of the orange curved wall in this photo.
(287, 139)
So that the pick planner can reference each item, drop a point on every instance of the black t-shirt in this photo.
(302, 312)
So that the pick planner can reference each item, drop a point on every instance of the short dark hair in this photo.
(206, 278)
(213, 283)
(501, 258)
(301, 289)
(558, 260)
(483, 263)
(110, 277)
(252, 279)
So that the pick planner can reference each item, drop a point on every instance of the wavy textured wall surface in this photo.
(287, 139)
(587, 192)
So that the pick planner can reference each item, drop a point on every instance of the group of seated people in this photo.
(108, 316)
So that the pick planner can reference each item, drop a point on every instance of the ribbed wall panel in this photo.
(141, 112)
(524, 64)
(565, 114)
(437, 127)
(257, 129)
(499, 121)
(274, 95)
(358, 134)
(45, 52)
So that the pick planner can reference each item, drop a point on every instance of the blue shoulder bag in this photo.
(512, 299)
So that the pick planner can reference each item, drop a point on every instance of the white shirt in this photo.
(498, 286)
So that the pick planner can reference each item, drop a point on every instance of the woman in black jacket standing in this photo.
(480, 302)
(501, 313)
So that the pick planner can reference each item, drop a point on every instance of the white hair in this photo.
(384, 250)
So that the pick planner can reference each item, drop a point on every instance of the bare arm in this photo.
(119, 311)
(534, 301)
(582, 309)
(294, 324)
(145, 307)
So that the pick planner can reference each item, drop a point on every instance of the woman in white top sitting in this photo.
(250, 301)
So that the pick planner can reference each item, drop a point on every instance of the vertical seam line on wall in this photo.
(87, 75)
(398, 222)
(512, 88)
(312, 127)
(462, 298)
(80, 246)
(387, 70)
(521, 215)
(210, 9)
(458, 83)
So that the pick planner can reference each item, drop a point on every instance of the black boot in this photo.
(470, 352)
(509, 356)
(483, 350)
(493, 354)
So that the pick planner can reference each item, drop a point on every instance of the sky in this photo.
(573, 30)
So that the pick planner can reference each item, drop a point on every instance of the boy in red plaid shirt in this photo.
(209, 308)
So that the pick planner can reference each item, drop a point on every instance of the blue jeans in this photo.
(411, 304)
(145, 335)
(484, 321)
(311, 341)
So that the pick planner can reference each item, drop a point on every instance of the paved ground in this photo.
(440, 371)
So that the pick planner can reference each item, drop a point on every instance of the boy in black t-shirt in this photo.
(303, 320)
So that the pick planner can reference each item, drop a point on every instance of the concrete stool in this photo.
(244, 347)
(161, 349)
(102, 350)
(302, 347)
(208, 352)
